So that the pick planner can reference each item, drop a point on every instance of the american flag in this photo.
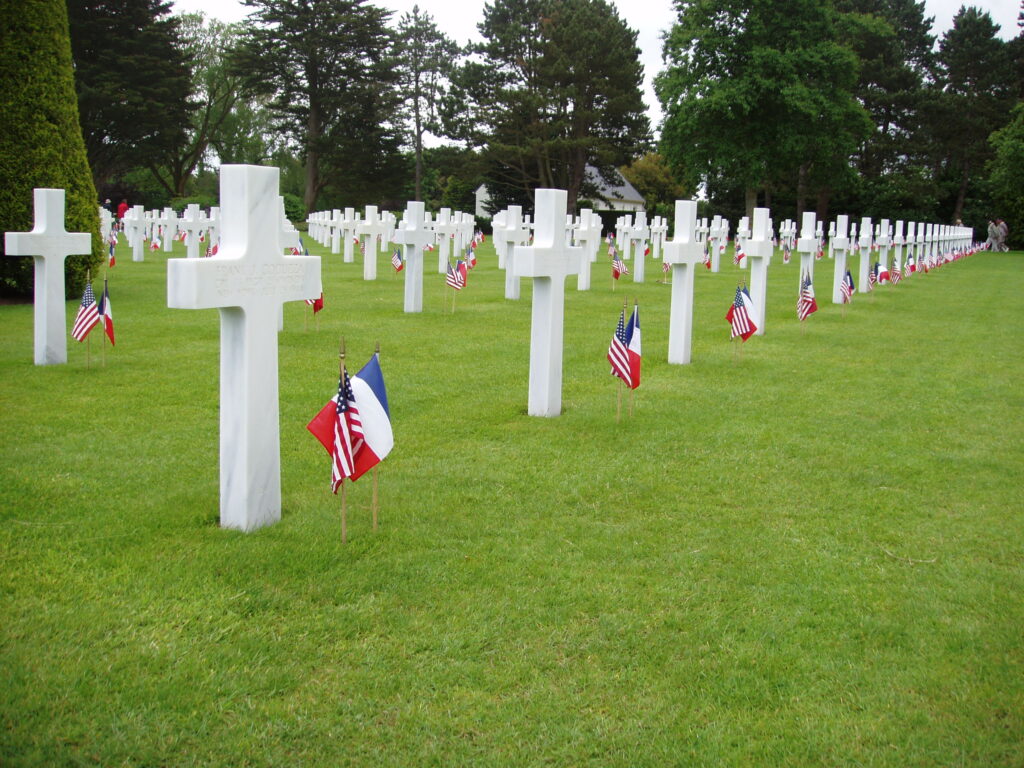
(348, 433)
(738, 315)
(470, 257)
(872, 276)
(316, 304)
(805, 304)
(88, 315)
(786, 253)
(665, 267)
(896, 274)
(618, 267)
(155, 244)
(396, 261)
(456, 277)
(707, 255)
(911, 264)
(846, 288)
(618, 356)
(111, 261)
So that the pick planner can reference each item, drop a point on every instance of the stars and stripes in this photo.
(896, 274)
(738, 253)
(88, 315)
(348, 433)
(317, 304)
(846, 288)
(456, 277)
(787, 252)
(806, 304)
(618, 353)
(618, 265)
(396, 261)
(740, 314)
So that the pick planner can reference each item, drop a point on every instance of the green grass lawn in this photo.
(811, 555)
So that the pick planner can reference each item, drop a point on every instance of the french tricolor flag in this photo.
(372, 401)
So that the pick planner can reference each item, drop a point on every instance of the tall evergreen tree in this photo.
(133, 82)
(424, 56)
(976, 82)
(40, 138)
(557, 89)
(758, 94)
(326, 67)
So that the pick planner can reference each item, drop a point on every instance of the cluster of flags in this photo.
(624, 351)
(354, 427)
(91, 313)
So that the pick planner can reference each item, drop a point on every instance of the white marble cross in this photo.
(587, 234)
(759, 250)
(373, 228)
(897, 246)
(444, 227)
(349, 225)
(516, 232)
(636, 241)
(742, 235)
(831, 237)
(248, 280)
(106, 223)
(684, 252)
(866, 255)
(168, 222)
(548, 261)
(135, 231)
(49, 244)
(192, 223)
(659, 228)
(840, 245)
(213, 233)
(807, 246)
(414, 236)
(883, 240)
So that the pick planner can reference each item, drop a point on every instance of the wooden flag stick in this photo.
(375, 505)
(305, 322)
(344, 513)
(375, 498)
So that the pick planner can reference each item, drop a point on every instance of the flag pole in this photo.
(618, 402)
(103, 349)
(377, 350)
(344, 499)
(88, 281)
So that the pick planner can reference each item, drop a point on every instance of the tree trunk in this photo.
(750, 203)
(824, 197)
(312, 158)
(962, 192)
(801, 191)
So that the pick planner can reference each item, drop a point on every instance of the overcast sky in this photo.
(649, 17)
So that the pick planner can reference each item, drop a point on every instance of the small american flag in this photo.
(872, 276)
(738, 315)
(396, 261)
(805, 304)
(88, 315)
(456, 277)
(786, 253)
(846, 288)
(665, 267)
(618, 356)
(348, 433)
(896, 274)
(707, 255)
(618, 267)
(738, 254)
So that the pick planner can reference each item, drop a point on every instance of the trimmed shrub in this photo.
(40, 138)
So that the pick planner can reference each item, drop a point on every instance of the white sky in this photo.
(649, 17)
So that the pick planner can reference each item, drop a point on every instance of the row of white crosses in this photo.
(508, 229)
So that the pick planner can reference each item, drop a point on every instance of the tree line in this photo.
(852, 106)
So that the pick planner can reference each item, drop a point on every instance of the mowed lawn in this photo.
(810, 554)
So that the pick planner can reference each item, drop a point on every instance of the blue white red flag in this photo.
(105, 314)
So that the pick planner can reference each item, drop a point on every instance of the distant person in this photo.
(122, 209)
(993, 236)
(1004, 232)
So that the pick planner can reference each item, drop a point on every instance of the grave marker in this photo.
(548, 261)
(684, 252)
(248, 280)
(759, 251)
(49, 244)
(414, 235)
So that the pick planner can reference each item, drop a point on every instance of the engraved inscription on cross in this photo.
(548, 261)
(413, 235)
(248, 280)
(759, 250)
(684, 251)
(49, 244)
